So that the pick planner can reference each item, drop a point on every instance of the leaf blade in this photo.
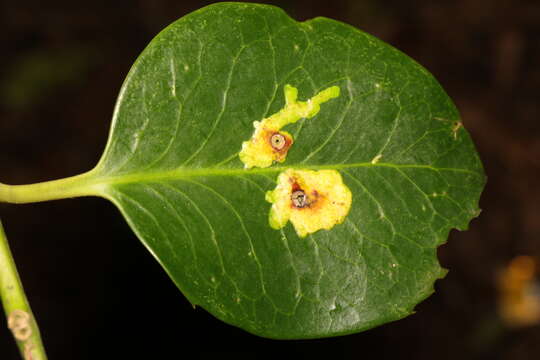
(171, 167)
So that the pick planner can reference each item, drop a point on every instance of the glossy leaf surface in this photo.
(172, 168)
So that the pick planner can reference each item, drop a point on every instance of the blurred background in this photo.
(98, 294)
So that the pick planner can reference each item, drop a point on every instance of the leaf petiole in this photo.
(21, 321)
(74, 186)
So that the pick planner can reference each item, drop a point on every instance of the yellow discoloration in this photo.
(311, 200)
(261, 150)
(376, 159)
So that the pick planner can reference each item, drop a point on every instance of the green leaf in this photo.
(172, 168)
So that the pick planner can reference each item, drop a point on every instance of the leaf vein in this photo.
(246, 233)
(205, 219)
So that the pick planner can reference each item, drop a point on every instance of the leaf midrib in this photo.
(184, 173)
(97, 181)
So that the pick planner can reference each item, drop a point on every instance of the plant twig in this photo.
(21, 321)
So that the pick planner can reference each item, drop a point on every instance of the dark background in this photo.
(96, 291)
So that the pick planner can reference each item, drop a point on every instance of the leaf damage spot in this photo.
(20, 325)
(376, 159)
(311, 200)
(455, 128)
(382, 215)
(269, 143)
(456, 125)
(135, 143)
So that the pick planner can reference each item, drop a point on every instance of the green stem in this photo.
(21, 321)
(80, 185)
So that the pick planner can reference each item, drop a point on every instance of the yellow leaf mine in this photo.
(311, 200)
(268, 143)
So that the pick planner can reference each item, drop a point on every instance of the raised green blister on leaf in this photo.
(172, 167)
(268, 143)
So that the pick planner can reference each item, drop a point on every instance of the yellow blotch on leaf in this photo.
(269, 143)
(310, 200)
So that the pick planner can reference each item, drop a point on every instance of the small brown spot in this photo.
(295, 186)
